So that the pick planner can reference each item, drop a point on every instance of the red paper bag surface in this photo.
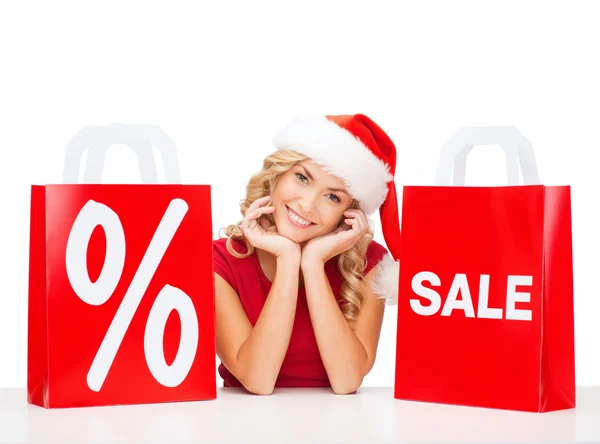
(111, 320)
(485, 311)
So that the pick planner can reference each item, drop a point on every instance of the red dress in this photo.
(302, 365)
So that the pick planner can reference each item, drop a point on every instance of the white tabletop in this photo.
(372, 415)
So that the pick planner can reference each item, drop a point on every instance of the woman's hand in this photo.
(255, 229)
(325, 247)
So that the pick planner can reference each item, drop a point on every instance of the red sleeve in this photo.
(375, 253)
(221, 258)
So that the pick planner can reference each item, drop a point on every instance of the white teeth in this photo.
(298, 219)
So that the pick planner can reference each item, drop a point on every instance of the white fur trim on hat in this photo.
(385, 283)
(340, 153)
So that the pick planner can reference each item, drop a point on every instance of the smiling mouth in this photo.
(296, 219)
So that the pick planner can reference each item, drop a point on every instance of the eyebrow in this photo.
(339, 190)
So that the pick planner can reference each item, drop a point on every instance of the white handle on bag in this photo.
(140, 138)
(514, 144)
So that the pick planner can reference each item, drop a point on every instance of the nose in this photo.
(308, 203)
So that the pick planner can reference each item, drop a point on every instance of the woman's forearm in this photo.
(343, 354)
(261, 355)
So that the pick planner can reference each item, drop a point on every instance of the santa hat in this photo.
(358, 151)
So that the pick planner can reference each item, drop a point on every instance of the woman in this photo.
(299, 298)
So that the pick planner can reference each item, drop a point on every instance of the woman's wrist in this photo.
(290, 252)
(290, 258)
(309, 263)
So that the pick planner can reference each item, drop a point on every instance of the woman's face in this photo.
(308, 202)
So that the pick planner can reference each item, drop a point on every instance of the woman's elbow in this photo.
(258, 386)
(347, 387)
(258, 390)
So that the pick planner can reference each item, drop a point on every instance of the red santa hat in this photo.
(358, 151)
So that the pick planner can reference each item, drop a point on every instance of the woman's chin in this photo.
(294, 234)
(294, 237)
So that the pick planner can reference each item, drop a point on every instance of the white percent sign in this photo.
(97, 293)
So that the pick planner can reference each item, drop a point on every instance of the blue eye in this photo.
(337, 199)
(301, 177)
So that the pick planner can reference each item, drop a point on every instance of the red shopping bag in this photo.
(485, 313)
(121, 306)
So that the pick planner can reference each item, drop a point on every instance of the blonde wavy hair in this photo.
(351, 263)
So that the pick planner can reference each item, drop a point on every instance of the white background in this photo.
(221, 78)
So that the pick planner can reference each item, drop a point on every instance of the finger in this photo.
(248, 227)
(254, 220)
(259, 212)
(357, 227)
(359, 216)
(350, 214)
(360, 226)
(363, 218)
(255, 214)
(257, 203)
(244, 227)
(248, 223)
(264, 210)
(355, 211)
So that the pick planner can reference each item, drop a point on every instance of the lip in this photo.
(293, 221)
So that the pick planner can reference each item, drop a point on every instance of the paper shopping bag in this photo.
(485, 313)
(121, 306)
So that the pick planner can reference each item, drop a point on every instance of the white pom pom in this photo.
(385, 284)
